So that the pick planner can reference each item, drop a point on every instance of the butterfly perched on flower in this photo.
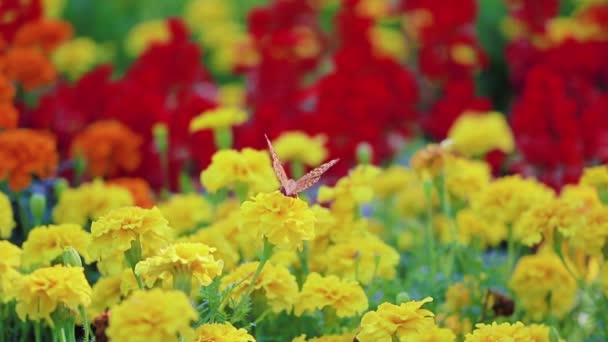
(291, 187)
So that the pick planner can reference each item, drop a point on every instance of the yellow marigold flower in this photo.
(231, 169)
(583, 196)
(591, 235)
(541, 221)
(411, 200)
(89, 202)
(116, 230)
(39, 293)
(186, 211)
(106, 293)
(428, 162)
(221, 332)
(247, 242)
(326, 338)
(76, 57)
(458, 296)
(191, 260)
(46, 243)
(355, 189)
(472, 228)
(7, 222)
(201, 14)
(285, 221)
(458, 325)
(347, 298)
(275, 283)
(10, 261)
(506, 199)
(225, 250)
(144, 35)
(475, 134)
(220, 118)
(434, 334)
(596, 177)
(400, 321)
(539, 332)
(364, 257)
(540, 278)
(299, 146)
(499, 332)
(152, 316)
(392, 180)
(465, 177)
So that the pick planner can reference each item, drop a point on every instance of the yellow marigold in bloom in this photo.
(186, 211)
(457, 324)
(225, 250)
(138, 187)
(583, 196)
(400, 321)
(465, 177)
(596, 177)
(285, 221)
(39, 293)
(201, 14)
(541, 221)
(299, 146)
(44, 244)
(76, 57)
(475, 134)
(516, 332)
(362, 257)
(540, 278)
(89, 201)
(458, 296)
(591, 235)
(275, 283)
(347, 298)
(24, 154)
(221, 332)
(472, 228)
(117, 229)
(434, 334)
(144, 35)
(247, 242)
(7, 222)
(105, 294)
(231, 169)
(108, 147)
(10, 261)
(326, 338)
(506, 199)
(428, 162)
(355, 189)
(223, 117)
(152, 316)
(392, 180)
(192, 260)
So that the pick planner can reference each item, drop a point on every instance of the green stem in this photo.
(430, 236)
(510, 252)
(85, 324)
(140, 283)
(62, 335)
(303, 256)
(297, 169)
(37, 331)
(223, 138)
(266, 251)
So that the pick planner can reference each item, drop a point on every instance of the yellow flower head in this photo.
(194, 259)
(221, 332)
(186, 211)
(10, 261)
(220, 118)
(516, 332)
(46, 243)
(275, 284)
(596, 177)
(225, 250)
(298, 146)
(326, 338)
(472, 228)
(400, 321)
(285, 221)
(355, 189)
(200, 15)
(89, 202)
(433, 334)
(583, 196)
(346, 297)
(106, 293)
(7, 222)
(465, 177)
(40, 293)
(541, 221)
(363, 257)
(115, 231)
(76, 57)
(230, 169)
(475, 134)
(152, 316)
(506, 199)
(540, 278)
(393, 179)
(592, 234)
(428, 162)
(144, 35)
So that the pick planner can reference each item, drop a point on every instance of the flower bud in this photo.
(70, 257)
(38, 208)
(364, 153)
(161, 136)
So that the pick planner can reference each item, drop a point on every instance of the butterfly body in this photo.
(290, 187)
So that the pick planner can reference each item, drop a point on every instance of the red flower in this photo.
(15, 13)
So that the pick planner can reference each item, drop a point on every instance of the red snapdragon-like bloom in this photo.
(15, 13)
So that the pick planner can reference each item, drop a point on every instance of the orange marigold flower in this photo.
(25, 153)
(8, 116)
(46, 34)
(30, 67)
(7, 91)
(139, 189)
(108, 147)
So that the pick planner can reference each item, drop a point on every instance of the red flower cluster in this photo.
(559, 119)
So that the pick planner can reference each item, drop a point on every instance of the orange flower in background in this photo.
(25, 153)
(139, 189)
(108, 147)
(29, 66)
(45, 33)
(7, 90)
(8, 116)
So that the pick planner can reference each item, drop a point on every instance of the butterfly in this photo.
(290, 187)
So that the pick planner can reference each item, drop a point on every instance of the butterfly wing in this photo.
(313, 176)
(279, 171)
